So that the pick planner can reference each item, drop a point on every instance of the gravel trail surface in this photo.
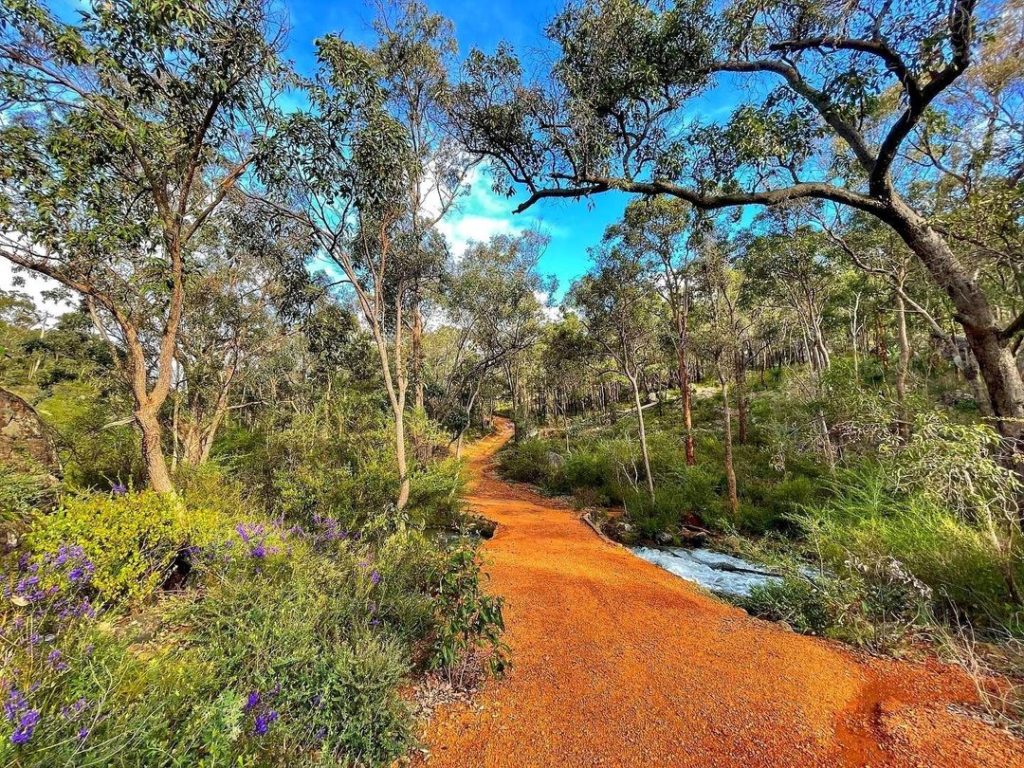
(619, 663)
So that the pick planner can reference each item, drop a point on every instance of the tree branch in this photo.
(707, 202)
(816, 98)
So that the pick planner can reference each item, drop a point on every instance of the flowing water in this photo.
(723, 574)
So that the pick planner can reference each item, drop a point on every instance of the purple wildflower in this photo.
(252, 700)
(259, 551)
(14, 704)
(54, 658)
(263, 722)
(375, 578)
(83, 734)
(26, 727)
(118, 489)
(70, 712)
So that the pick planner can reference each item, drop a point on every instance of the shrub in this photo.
(295, 651)
(96, 452)
(467, 619)
(284, 659)
(794, 600)
(21, 493)
(874, 605)
(69, 688)
(212, 487)
(435, 493)
(526, 461)
(586, 468)
(303, 639)
(132, 539)
(870, 520)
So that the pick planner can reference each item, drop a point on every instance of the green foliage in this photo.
(21, 493)
(877, 607)
(526, 461)
(294, 649)
(866, 519)
(97, 448)
(467, 619)
(337, 460)
(315, 631)
(435, 493)
(132, 539)
(878, 604)
(604, 468)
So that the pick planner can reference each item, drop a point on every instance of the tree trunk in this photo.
(730, 471)
(741, 396)
(416, 374)
(684, 385)
(157, 476)
(996, 363)
(469, 417)
(403, 470)
(853, 340)
(741, 414)
(903, 369)
(643, 434)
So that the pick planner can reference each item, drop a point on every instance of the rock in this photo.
(481, 526)
(25, 443)
(664, 538)
(556, 460)
(693, 537)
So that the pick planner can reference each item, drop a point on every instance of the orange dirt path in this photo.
(619, 663)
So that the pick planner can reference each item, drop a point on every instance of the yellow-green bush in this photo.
(132, 539)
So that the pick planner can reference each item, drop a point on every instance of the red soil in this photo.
(619, 663)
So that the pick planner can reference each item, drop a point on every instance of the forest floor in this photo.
(619, 663)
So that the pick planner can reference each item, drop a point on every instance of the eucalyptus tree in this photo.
(798, 269)
(877, 253)
(622, 312)
(565, 365)
(235, 323)
(416, 50)
(839, 93)
(492, 297)
(121, 136)
(341, 168)
(721, 287)
(658, 231)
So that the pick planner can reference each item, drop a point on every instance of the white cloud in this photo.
(552, 311)
(463, 228)
(481, 213)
